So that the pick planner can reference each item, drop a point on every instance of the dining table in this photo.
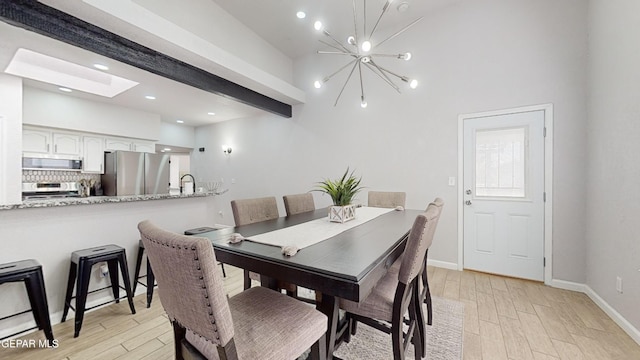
(347, 265)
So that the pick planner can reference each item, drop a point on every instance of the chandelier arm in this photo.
(364, 18)
(361, 84)
(345, 84)
(335, 47)
(355, 24)
(399, 31)
(387, 55)
(384, 10)
(382, 76)
(334, 53)
(403, 78)
(337, 71)
(336, 41)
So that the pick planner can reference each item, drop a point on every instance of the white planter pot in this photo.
(342, 214)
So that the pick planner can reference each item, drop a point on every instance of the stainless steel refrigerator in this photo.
(134, 173)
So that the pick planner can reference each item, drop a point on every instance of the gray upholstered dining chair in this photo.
(298, 203)
(386, 199)
(258, 323)
(398, 292)
(250, 211)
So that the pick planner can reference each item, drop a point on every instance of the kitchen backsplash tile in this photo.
(56, 176)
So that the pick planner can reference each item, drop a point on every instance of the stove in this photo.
(49, 190)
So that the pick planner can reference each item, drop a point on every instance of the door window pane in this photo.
(501, 163)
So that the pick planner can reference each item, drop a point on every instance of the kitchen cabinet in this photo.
(93, 150)
(36, 141)
(113, 144)
(41, 141)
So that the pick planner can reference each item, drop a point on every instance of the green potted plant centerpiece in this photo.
(342, 192)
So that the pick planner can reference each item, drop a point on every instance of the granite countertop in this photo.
(42, 203)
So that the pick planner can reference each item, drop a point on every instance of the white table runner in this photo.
(313, 232)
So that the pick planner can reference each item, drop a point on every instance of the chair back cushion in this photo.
(386, 199)
(189, 284)
(420, 239)
(299, 203)
(249, 211)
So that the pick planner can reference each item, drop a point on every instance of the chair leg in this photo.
(421, 338)
(115, 280)
(224, 273)
(122, 259)
(151, 280)
(397, 341)
(319, 349)
(70, 284)
(179, 334)
(82, 288)
(136, 275)
(36, 289)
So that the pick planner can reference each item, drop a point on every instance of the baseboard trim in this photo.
(442, 264)
(602, 304)
(617, 318)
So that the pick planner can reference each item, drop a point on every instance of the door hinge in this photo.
(544, 196)
(544, 131)
(544, 262)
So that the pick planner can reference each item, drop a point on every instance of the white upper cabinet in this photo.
(93, 150)
(36, 141)
(66, 144)
(113, 144)
(42, 141)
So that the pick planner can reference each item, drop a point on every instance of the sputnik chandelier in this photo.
(360, 48)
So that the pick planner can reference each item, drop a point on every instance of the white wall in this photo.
(10, 139)
(613, 200)
(49, 109)
(177, 135)
(470, 57)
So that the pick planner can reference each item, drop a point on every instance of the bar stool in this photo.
(81, 263)
(29, 271)
(151, 283)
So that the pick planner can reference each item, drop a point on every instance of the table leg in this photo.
(328, 305)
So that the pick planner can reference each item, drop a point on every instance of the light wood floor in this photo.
(504, 319)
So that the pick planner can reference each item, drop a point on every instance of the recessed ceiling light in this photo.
(211, 113)
(101, 67)
(150, 97)
(180, 121)
(166, 149)
(32, 65)
(65, 89)
(301, 14)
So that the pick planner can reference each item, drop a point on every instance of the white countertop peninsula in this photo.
(49, 230)
(91, 200)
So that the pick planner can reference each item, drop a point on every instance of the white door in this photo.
(503, 183)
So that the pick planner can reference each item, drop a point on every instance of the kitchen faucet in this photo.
(192, 179)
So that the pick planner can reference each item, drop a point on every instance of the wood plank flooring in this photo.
(504, 319)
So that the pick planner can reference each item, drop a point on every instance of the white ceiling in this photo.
(274, 20)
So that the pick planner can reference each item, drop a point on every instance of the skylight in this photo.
(32, 65)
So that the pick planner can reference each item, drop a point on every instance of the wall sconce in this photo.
(226, 149)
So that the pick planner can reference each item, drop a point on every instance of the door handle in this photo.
(468, 192)
(468, 202)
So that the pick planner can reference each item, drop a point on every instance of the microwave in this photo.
(45, 163)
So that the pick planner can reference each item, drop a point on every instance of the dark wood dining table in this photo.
(347, 265)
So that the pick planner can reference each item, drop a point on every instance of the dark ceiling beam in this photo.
(45, 20)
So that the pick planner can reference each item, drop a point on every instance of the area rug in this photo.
(444, 337)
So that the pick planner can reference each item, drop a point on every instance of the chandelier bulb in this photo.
(365, 59)
(318, 25)
(407, 56)
(413, 84)
(366, 46)
(317, 84)
(351, 40)
(363, 103)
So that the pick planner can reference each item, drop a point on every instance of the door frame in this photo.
(548, 180)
